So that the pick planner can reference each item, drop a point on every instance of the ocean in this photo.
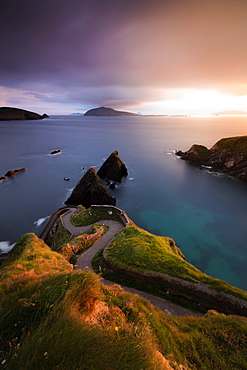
(204, 212)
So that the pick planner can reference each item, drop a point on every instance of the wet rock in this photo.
(12, 173)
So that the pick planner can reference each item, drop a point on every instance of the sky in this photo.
(148, 57)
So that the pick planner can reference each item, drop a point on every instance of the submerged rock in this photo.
(113, 168)
(228, 155)
(90, 190)
(12, 173)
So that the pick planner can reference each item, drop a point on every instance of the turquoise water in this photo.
(204, 213)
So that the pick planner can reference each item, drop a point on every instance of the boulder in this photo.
(90, 190)
(113, 168)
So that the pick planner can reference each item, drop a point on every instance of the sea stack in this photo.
(90, 190)
(113, 168)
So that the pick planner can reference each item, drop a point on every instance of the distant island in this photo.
(103, 111)
(230, 113)
(12, 114)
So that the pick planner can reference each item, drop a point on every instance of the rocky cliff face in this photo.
(113, 168)
(228, 155)
(90, 190)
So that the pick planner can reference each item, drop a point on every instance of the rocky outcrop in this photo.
(90, 190)
(56, 151)
(12, 173)
(103, 111)
(12, 114)
(113, 168)
(228, 155)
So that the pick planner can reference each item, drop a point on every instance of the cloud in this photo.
(122, 52)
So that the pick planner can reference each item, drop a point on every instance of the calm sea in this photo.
(204, 213)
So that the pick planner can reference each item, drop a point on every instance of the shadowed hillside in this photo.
(12, 114)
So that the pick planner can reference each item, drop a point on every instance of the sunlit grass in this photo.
(136, 249)
(91, 215)
(68, 320)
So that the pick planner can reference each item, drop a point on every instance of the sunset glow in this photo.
(157, 57)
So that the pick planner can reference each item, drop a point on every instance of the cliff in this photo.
(54, 317)
(113, 168)
(103, 111)
(12, 114)
(228, 155)
(90, 190)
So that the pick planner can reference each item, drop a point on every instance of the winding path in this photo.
(84, 262)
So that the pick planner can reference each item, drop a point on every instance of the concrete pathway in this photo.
(84, 262)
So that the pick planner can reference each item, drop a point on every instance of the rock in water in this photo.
(113, 168)
(12, 173)
(90, 190)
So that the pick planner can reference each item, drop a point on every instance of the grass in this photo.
(58, 319)
(136, 249)
(101, 268)
(201, 150)
(233, 144)
(60, 237)
(91, 215)
(70, 248)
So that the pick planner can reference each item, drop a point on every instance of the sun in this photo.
(197, 102)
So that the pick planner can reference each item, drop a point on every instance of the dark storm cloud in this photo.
(97, 51)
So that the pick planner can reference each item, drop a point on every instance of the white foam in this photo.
(5, 246)
(206, 166)
(40, 221)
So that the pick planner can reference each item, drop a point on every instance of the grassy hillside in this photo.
(233, 144)
(9, 114)
(159, 264)
(54, 318)
(138, 249)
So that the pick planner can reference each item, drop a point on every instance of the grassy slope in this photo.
(91, 215)
(67, 320)
(233, 144)
(137, 249)
(7, 113)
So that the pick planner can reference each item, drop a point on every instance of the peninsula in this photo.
(228, 155)
(103, 111)
(13, 114)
